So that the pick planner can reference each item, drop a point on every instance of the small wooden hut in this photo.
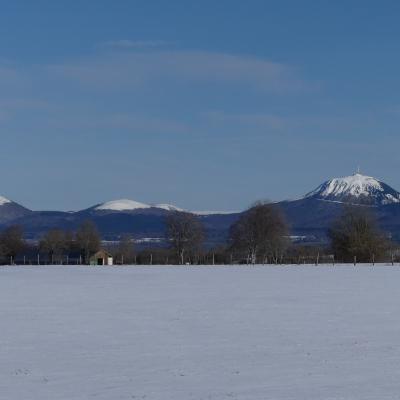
(102, 257)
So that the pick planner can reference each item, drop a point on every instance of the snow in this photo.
(130, 205)
(205, 213)
(192, 333)
(356, 185)
(122, 205)
(168, 207)
(3, 201)
(150, 240)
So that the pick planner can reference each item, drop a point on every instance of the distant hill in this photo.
(10, 210)
(309, 217)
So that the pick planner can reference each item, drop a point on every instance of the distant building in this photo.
(102, 257)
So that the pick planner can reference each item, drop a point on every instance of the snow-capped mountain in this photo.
(9, 210)
(310, 216)
(3, 201)
(126, 205)
(168, 207)
(121, 205)
(356, 189)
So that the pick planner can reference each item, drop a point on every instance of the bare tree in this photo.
(356, 234)
(11, 241)
(70, 241)
(185, 235)
(54, 243)
(125, 251)
(88, 239)
(261, 233)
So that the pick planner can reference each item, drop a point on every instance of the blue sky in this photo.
(206, 105)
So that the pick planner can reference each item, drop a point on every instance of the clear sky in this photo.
(203, 104)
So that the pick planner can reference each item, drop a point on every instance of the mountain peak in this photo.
(3, 201)
(168, 207)
(356, 189)
(131, 205)
(121, 205)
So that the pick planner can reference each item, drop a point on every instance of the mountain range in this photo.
(309, 216)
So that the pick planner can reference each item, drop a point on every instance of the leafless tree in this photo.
(356, 234)
(54, 243)
(11, 241)
(261, 233)
(125, 251)
(88, 239)
(70, 241)
(185, 234)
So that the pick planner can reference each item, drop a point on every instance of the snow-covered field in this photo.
(179, 333)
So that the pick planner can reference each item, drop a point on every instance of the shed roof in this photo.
(102, 254)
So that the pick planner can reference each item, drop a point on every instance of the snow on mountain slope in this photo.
(121, 205)
(3, 201)
(130, 205)
(9, 210)
(168, 207)
(358, 189)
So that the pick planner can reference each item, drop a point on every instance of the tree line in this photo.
(260, 235)
(53, 246)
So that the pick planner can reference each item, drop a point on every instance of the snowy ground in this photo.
(171, 333)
